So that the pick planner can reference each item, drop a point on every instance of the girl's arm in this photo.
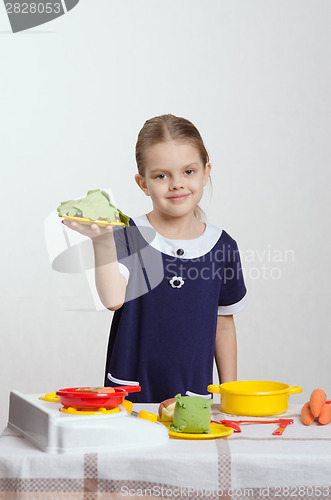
(110, 283)
(226, 349)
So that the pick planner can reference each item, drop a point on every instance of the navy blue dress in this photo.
(163, 337)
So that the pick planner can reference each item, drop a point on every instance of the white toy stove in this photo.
(46, 426)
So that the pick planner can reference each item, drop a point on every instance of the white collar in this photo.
(192, 248)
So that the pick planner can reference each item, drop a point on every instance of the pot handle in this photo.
(294, 389)
(216, 389)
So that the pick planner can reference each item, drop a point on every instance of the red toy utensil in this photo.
(229, 423)
(283, 424)
(235, 424)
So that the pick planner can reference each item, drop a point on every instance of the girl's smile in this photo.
(178, 197)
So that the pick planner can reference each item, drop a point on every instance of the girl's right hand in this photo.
(92, 231)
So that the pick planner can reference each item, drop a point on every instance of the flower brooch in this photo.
(176, 282)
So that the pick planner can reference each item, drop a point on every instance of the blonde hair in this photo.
(165, 128)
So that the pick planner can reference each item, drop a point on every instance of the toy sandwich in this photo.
(95, 208)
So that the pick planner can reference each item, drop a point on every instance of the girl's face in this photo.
(174, 177)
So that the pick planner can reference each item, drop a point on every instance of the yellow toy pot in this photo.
(254, 398)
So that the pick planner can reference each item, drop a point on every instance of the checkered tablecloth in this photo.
(252, 464)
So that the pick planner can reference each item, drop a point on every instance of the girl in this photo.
(173, 281)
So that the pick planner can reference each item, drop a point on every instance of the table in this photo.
(252, 464)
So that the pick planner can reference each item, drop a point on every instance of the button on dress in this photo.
(163, 337)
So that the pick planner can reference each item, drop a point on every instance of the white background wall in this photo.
(254, 76)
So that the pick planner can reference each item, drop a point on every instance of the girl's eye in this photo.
(189, 171)
(160, 176)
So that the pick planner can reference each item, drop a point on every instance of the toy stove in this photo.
(62, 429)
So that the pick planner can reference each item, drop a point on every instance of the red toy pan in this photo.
(79, 397)
(129, 388)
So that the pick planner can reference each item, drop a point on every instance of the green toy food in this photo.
(95, 206)
(191, 414)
